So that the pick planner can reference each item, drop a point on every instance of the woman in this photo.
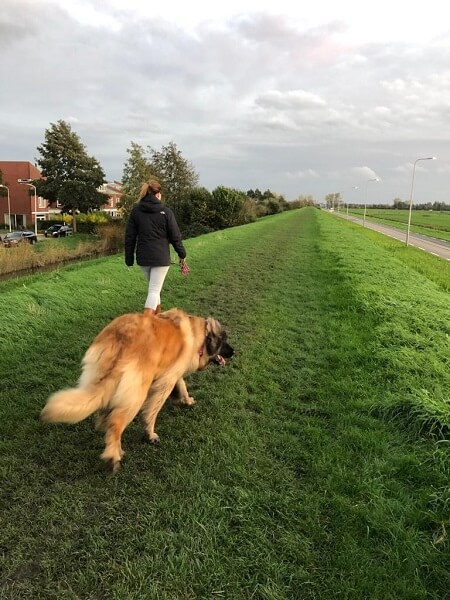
(151, 227)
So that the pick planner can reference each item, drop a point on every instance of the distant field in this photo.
(432, 223)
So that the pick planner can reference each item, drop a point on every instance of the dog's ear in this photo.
(213, 339)
(213, 327)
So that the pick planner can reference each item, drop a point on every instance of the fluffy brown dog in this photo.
(133, 365)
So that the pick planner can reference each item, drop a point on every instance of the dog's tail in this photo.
(96, 386)
(72, 405)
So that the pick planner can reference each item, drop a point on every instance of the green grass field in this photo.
(314, 466)
(433, 223)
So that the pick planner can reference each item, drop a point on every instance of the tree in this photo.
(70, 176)
(273, 206)
(400, 204)
(268, 195)
(135, 172)
(227, 205)
(176, 175)
(333, 200)
(197, 208)
(284, 204)
(441, 206)
(303, 201)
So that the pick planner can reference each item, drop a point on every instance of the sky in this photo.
(299, 98)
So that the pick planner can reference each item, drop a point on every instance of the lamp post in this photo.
(9, 204)
(365, 199)
(27, 182)
(35, 208)
(355, 187)
(411, 194)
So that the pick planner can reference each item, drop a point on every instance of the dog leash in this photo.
(185, 270)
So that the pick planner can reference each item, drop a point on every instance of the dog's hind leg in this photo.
(157, 395)
(101, 420)
(124, 407)
(115, 424)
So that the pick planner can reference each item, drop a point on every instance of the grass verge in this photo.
(430, 223)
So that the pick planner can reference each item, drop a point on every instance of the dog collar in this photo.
(202, 347)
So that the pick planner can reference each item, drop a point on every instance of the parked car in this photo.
(16, 237)
(56, 231)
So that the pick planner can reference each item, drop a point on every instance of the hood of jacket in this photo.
(150, 204)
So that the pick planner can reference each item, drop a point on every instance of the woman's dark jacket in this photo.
(150, 228)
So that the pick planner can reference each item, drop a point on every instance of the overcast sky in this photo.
(300, 98)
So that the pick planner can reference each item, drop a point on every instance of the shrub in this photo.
(112, 236)
(25, 257)
(195, 229)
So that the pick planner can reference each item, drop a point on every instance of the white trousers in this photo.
(155, 277)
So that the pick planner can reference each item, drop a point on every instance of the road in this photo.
(434, 246)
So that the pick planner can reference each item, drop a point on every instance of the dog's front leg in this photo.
(157, 395)
(183, 396)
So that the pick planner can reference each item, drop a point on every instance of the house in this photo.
(24, 205)
(114, 193)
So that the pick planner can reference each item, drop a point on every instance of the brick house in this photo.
(24, 205)
(114, 192)
(22, 199)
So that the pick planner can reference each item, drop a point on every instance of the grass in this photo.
(314, 466)
(415, 259)
(432, 223)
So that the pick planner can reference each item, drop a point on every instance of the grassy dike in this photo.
(315, 465)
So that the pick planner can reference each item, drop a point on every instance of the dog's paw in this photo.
(111, 465)
(188, 401)
(185, 401)
(152, 439)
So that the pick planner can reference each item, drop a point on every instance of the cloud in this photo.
(306, 174)
(365, 173)
(292, 100)
(253, 100)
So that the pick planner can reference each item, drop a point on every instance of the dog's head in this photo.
(217, 349)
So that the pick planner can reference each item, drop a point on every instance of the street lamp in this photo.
(365, 199)
(411, 195)
(27, 182)
(355, 187)
(9, 204)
